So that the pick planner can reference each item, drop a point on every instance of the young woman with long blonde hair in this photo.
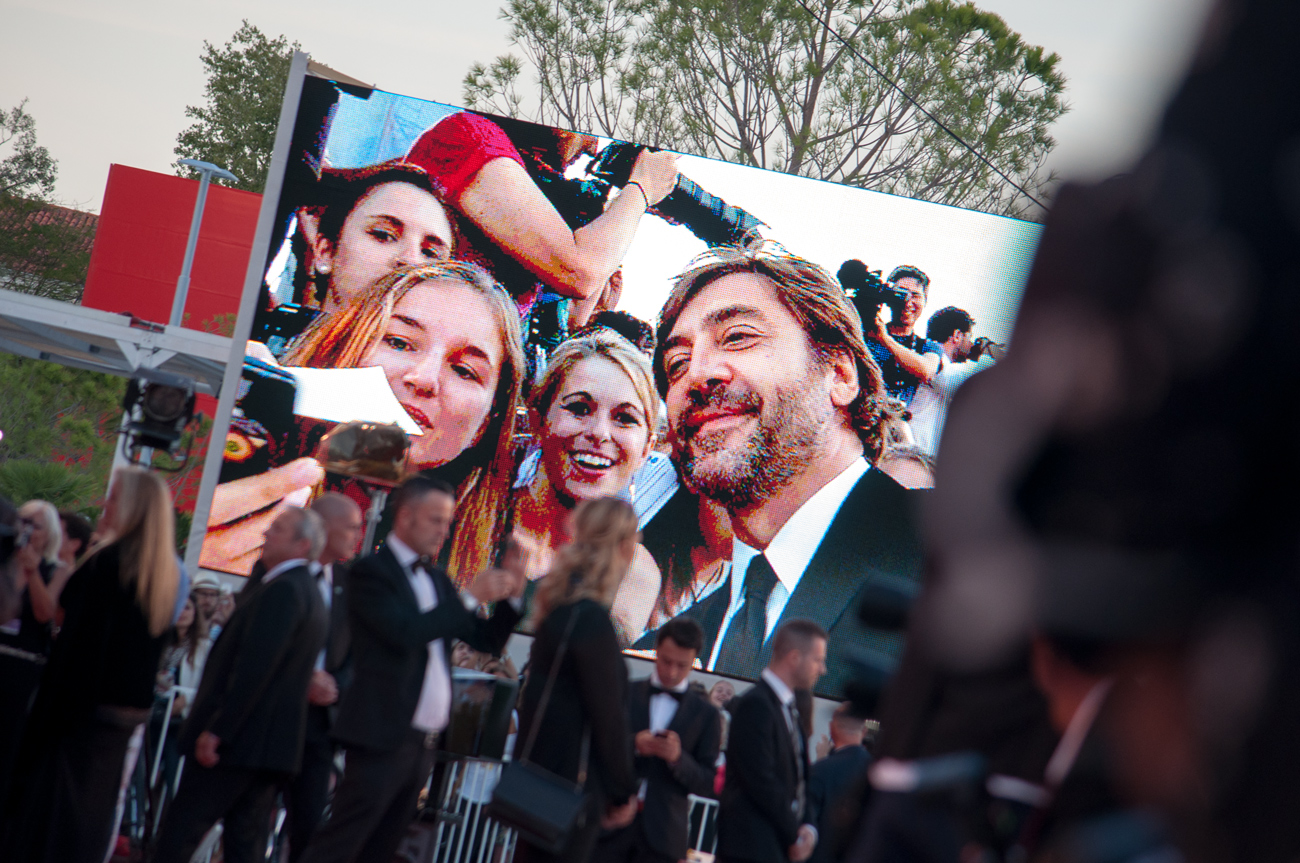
(591, 677)
(447, 337)
(98, 685)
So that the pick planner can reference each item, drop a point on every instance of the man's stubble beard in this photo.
(780, 449)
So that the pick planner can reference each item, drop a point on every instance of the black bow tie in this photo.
(423, 562)
(659, 690)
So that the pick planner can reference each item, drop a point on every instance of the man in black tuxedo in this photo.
(833, 780)
(676, 737)
(404, 613)
(764, 815)
(772, 401)
(245, 732)
(307, 794)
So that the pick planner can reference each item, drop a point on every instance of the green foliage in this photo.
(29, 170)
(184, 520)
(53, 413)
(760, 82)
(41, 252)
(236, 127)
(44, 249)
(65, 487)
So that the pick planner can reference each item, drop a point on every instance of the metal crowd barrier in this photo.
(456, 828)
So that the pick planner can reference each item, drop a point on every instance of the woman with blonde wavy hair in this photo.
(594, 413)
(98, 685)
(587, 698)
(447, 337)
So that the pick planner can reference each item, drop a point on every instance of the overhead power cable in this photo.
(908, 96)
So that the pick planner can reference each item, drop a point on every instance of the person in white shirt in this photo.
(773, 407)
(951, 327)
(404, 613)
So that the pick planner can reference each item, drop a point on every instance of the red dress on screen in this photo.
(453, 152)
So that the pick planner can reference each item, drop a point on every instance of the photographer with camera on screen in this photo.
(906, 359)
(951, 329)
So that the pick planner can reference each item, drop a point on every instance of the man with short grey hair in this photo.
(245, 732)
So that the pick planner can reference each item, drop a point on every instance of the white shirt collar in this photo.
(405, 555)
(797, 541)
(783, 692)
(681, 687)
(323, 571)
(284, 567)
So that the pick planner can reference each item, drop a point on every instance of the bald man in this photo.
(306, 796)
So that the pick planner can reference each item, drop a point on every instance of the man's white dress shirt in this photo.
(789, 552)
(433, 711)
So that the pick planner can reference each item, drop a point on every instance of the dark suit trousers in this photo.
(66, 805)
(374, 803)
(627, 846)
(241, 797)
(307, 794)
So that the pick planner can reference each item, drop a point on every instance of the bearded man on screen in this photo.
(774, 412)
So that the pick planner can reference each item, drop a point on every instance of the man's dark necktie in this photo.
(659, 690)
(424, 562)
(796, 740)
(742, 646)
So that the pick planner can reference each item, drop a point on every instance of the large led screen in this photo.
(760, 363)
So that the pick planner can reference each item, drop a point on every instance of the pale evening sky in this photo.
(109, 81)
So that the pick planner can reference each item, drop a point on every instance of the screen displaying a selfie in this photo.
(759, 364)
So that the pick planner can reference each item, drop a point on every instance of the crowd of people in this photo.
(480, 271)
(326, 651)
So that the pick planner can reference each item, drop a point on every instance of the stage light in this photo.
(159, 405)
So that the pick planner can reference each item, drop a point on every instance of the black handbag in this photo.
(543, 808)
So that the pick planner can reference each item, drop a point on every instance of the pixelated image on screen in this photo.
(759, 363)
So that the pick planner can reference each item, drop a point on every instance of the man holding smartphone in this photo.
(677, 735)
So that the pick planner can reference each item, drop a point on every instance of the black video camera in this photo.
(984, 345)
(869, 291)
(706, 216)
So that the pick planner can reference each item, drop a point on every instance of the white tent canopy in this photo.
(114, 344)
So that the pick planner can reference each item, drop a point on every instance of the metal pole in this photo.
(206, 171)
(247, 305)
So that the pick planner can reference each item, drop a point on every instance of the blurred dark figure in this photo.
(98, 685)
(306, 796)
(1071, 673)
(832, 779)
(25, 638)
(764, 816)
(588, 700)
(1089, 464)
(77, 531)
(9, 533)
(244, 737)
(676, 734)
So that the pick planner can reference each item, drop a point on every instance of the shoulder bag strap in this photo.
(546, 697)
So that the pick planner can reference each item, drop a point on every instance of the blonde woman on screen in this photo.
(447, 337)
(594, 411)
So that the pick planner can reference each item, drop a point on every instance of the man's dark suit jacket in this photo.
(831, 785)
(756, 821)
(390, 637)
(874, 535)
(699, 725)
(253, 694)
(338, 643)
